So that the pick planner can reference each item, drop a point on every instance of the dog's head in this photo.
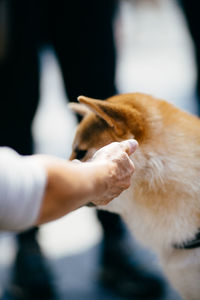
(115, 119)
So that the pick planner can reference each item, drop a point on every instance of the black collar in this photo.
(194, 243)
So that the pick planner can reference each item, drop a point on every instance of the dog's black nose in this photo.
(80, 153)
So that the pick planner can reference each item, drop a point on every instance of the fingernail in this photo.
(133, 145)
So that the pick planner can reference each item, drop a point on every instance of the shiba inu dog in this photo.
(162, 205)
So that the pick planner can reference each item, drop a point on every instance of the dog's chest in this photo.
(156, 222)
(145, 223)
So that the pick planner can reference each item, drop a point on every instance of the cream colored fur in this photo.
(159, 229)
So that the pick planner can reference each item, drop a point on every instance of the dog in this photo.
(162, 205)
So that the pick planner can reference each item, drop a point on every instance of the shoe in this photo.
(125, 277)
(31, 278)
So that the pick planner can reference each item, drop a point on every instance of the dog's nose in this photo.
(78, 154)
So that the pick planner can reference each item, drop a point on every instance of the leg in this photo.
(84, 42)
(19, 83)
(19, 94)
(191, 9)
(87, 57)
(85, 47)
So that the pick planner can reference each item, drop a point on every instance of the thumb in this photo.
(129, 146)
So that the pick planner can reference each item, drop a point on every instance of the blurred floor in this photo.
(76, 276)
(156, 57)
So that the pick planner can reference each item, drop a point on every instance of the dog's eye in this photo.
(80, 153)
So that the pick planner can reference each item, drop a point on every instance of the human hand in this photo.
(116, 170)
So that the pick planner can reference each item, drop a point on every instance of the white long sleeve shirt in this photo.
(22, 185)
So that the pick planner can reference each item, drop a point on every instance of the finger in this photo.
(129, 146)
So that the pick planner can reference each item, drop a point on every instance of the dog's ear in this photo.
(78, 108)
(110, 112)
(120, 117)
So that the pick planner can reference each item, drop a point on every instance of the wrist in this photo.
(100, 172)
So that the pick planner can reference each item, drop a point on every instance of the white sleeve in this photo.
(22, 185)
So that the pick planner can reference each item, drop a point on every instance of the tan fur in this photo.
(162, 206)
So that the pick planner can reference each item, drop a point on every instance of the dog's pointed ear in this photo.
(109, 112)
(79, 108)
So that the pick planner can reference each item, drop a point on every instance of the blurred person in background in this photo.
(81, 33)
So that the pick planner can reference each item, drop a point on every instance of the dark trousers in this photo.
(191, 12)
(81, 33)
(82, 36)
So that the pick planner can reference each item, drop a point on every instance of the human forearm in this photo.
(69, 186)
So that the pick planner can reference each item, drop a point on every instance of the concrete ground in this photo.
(155, 56)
